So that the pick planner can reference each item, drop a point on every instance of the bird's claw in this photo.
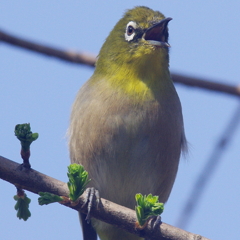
(157, 221)
(90, 193)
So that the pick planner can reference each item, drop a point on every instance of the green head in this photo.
(140, 36)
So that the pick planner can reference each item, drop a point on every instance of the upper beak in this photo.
(158, 33)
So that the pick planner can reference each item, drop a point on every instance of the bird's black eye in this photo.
(130, 30)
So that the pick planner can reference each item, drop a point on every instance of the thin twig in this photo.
(106, 211)
(206, 84)
(208, 170)
(69, 56)
(89, 60)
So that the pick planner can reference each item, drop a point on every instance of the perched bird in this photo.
(126, 125)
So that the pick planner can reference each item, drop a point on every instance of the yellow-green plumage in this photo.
(126, 123)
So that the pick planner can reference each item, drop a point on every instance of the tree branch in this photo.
(109, 212)
(208, 170)
(68, 56)
(89, 60)
(206, 84)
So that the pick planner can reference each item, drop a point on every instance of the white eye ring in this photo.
(130, 31)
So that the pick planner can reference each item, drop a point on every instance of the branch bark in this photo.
(206, 84)
(109, 212)
(68, 56)
(89, 60)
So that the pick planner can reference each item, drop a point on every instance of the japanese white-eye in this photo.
(126, 124)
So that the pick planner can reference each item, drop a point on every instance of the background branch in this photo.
(109, 212)
(89, 60)
(68, 56)
(207, 172)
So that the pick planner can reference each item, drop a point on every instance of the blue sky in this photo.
(204, 36)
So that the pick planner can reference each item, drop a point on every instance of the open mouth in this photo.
(158, 34)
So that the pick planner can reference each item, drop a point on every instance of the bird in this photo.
(126, 124)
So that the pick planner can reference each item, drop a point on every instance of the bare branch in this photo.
(89, 60)
(109, 212)
(207, 172)
(69, 56)
(206, 84)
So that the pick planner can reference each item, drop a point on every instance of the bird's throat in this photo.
(142, 76)
(142, 81)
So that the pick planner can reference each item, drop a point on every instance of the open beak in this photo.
(158, 34)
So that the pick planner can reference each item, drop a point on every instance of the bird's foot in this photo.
(90, 193)
(157, 221)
